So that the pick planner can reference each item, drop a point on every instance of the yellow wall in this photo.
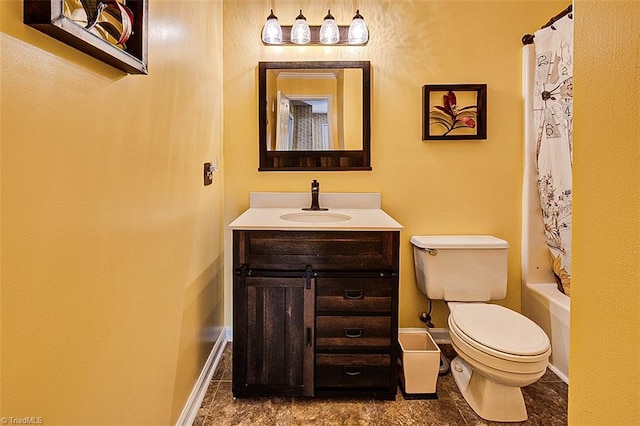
(352, 109)
(429, 187)
(112, 248)
(605, 298)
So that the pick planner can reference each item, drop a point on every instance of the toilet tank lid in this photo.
(458, 242)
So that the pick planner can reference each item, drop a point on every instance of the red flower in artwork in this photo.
(468, 121)
(450, 116)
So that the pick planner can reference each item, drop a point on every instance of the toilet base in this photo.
(490, 400)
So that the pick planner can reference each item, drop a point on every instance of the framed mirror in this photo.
(314, 115)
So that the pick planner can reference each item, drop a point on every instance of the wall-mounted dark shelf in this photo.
(47, 16)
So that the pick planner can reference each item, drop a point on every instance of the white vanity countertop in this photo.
(363, 210)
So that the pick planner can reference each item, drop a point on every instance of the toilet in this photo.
(498, 350)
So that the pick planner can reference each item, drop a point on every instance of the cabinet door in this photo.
(273, 336)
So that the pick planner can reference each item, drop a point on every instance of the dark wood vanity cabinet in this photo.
(315, 313)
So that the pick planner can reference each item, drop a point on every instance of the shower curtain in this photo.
(553, 112)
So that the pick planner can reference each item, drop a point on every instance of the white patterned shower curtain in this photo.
(553, 117)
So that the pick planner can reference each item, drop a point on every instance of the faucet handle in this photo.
(315, 193)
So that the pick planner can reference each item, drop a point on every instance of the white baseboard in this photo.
(190, 410)
(558, 372)
(440, 335)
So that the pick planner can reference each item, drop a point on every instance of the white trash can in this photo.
(419, 363)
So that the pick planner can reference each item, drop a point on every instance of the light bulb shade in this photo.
(272, 31)
(358, 31)
(329, 31)
(300, 32)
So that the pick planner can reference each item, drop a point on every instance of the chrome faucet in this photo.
(315, 194)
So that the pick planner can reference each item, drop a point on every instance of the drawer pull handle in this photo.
(352, 371)
(354, 294)
(353, 332)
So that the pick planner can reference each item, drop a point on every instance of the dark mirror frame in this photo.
(315, 160)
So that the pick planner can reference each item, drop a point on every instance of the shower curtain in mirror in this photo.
(553, 111)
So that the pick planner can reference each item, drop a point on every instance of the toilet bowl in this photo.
(498, 350)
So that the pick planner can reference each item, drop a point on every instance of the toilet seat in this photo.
(499, 331)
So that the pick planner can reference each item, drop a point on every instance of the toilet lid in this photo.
(500, 329)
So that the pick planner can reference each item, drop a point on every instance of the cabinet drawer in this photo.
(352, 371)
(353, 332)
(322, 250)
(354, 294)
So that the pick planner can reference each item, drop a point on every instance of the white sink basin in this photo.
(315, 217)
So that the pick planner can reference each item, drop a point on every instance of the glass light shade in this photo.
(300, 32)
(329, 31)
(272, 31)
(358, 32)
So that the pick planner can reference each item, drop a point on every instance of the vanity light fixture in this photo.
(300, 32)
(272, 31)
(358, 31)
(329, 33)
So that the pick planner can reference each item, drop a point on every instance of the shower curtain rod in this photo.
(528, 38)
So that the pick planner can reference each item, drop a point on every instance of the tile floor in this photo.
(546, 402)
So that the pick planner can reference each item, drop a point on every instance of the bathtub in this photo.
(549, 308)
(541, 301)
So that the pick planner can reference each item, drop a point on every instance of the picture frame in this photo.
(129, 56)
(454, 111)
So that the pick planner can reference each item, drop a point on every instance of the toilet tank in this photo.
(465, 268)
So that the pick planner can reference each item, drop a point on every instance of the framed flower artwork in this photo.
(113, 31)
(454, 111)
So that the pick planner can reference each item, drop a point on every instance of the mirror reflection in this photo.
(314, 115)
(314, 109)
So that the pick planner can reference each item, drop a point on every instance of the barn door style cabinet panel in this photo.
(315, 313)
(274, 317)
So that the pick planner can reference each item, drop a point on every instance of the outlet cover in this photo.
(208, 174)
